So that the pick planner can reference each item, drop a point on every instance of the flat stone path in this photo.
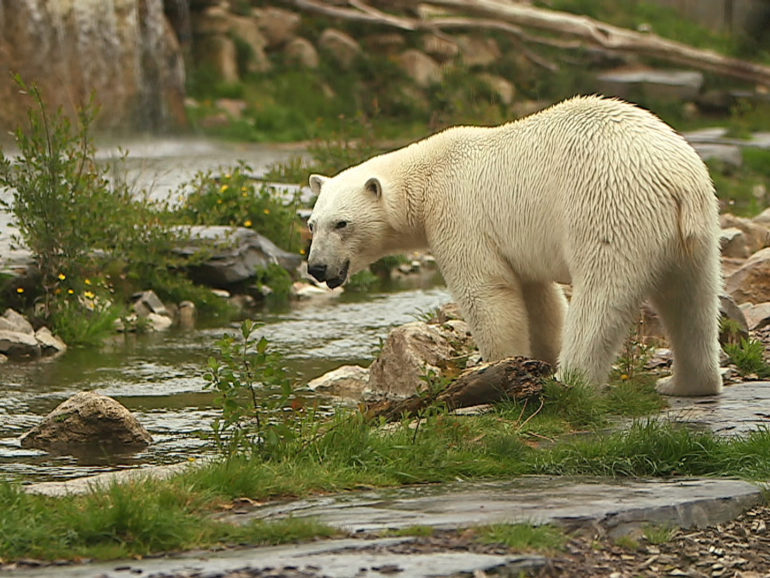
(615, 506)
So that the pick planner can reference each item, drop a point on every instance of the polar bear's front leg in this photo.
(498, 319)
(496, 311)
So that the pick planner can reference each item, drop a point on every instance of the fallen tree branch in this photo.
(515, 378)
(614, 38)
(513, 17)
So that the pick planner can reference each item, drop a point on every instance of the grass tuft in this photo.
(527, 537)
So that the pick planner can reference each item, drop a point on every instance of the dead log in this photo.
(515, 378)
(614, 38)
(514, 17)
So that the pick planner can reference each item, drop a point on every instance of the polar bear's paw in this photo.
(672, 386)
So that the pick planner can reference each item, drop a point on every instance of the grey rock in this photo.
(148, 302)
(15, 344)
(763, 219)
(342, 47)
(158, 322)
(15, 321)
(749, 283)
(301, 51)
(345, 558)
(501, 87)
(237, 254)
(738, 410)
(187, 314)
(728, 154)
(617, 507)
(346, 382)
(757, 316)
(278, 25)
(50, 345)
(664, 84)
(421, 68)
(733, 244)
(757, 236)
(409, 353)
(86, 423)
(248, 30)
(728, 309)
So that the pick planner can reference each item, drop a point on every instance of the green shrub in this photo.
(748, 357)
(92, 237)
(234, 198)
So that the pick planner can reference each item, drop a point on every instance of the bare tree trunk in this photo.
(514, 18)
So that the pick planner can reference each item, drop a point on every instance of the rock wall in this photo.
(123, 51)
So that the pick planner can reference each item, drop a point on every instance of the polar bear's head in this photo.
(349, 224)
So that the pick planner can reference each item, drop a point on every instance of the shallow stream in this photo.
(159, 376)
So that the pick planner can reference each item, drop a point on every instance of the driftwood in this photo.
(516, 378)
(513, 18)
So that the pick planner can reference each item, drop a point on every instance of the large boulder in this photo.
(343, 48)
(756, 235)
(15, 344)
(19, 340)
(420, 67)
(749, 284)
(301, 51)
(237, 254)
(88, 422)
(410, 352)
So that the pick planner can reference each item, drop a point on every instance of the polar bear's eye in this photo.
(341, 225)
(310, 227)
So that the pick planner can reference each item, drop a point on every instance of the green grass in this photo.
(657, 534)
(350, 453)
(542, 538)
(748, 357)
(127, 520)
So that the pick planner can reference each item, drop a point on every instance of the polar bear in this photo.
(592, 191)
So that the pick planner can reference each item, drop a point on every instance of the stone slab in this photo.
(618, 507)
(338, 558)
(740, 409)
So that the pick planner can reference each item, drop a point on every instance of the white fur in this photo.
(592, 191)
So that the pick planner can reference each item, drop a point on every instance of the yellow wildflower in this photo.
(247, 223)
(87, 281)
(266, 211)
(62, 276)
(301, 251)
(19, 290)
(70, 291)
(88, 295)
(224, 188)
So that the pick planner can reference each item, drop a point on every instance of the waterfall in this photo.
(125, 52)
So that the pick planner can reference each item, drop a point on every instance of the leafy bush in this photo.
(261, 415)
(93, 239)
(234, 198)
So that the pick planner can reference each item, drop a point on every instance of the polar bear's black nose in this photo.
(317, 271)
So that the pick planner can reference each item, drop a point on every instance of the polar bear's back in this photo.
(587, 171)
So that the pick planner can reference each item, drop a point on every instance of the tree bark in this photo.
(515, 378)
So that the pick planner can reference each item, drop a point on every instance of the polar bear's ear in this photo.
(374, 186)
(316, 181)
